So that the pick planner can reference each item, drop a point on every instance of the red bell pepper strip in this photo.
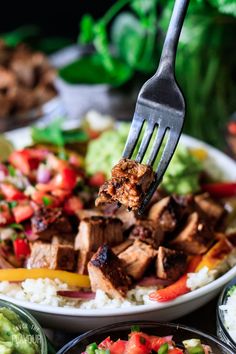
(11, 193)
(220, 189)
(21, 248)
(22, 211)
(178, 288)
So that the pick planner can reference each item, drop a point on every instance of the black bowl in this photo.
(122, 329)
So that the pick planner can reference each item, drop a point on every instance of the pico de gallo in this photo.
(141, 343)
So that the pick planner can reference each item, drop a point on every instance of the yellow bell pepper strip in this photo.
(216, 255)
(200, 153)
(21, 274)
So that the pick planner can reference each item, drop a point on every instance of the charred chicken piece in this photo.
(196, 236)
(51, 256)
(212, 208)
(147, 231)
(137, 258)
(130, 180)
(49, 222)
(107, 273)
(97, 230)
(82, 263)
(170, 264)
(169, 211)
(122, 246)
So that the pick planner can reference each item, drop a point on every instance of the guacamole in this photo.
(181, 177)
(15, 337)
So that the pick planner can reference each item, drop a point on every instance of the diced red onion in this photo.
(43, 175)
(29, 234)
(74, 294)
(168, 338)
(153, 281)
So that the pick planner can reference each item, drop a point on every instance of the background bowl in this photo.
(121, 330)
(222, 332)
(33, 325)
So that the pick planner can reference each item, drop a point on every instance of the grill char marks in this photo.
(107, 273)
(170, 264)
(130, 180)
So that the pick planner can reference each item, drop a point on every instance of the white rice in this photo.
(229, 314)
(201, 278)
(44, 292)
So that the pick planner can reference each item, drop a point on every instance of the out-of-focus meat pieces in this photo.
(51, 256)
(213, 209)
(130, 180)
(96, 230)
(127, 217)
(122, 246)
(137, 258)
(196, 237)
(49, 222)
(147, 231)
(107, 273)
(83, 259)
(170, 264)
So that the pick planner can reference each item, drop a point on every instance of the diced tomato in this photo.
(106, 343)
(6, 216)
(138, 343)
(93, 134)
(76, 160)
(118, 347)
(61, 194)
(22, 211)
(11, 193)
(232, 127)
(156, 342)
(25, 160)
(65, 179)
(97, 180)
(72, 205)
(175, 351)
(21, 248)
(55, 163)
(45, 199)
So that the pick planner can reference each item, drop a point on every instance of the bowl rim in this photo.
(219, 313)
(119, 325)
(216, 155)
(26, 315)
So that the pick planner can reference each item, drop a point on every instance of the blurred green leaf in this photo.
(86, 34)
(91, 70)
(142, 8)
(50, 45)
(21, 34)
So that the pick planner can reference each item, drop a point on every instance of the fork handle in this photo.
(168, 55)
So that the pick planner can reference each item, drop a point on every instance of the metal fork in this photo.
(160, 104)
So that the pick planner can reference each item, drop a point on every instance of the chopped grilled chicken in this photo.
(107, 273)
(170, 264)
(127, 217)
(97, 230)
(83, 259)
(87, 213)
(130, 180)
(169, 211)
(213, 209)
(196, 237)
(137, 258)
(65, 239)
(122, 246)
(4, 264)
(51, 256)
(147, 231)
(49, 222)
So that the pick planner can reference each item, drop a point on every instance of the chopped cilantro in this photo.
(11, 170)
(47, 201)
(232, 290)
(135, 328)
(12, 204)
(142, 340)
(17, 226)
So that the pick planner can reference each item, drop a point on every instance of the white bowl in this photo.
(72, 319)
